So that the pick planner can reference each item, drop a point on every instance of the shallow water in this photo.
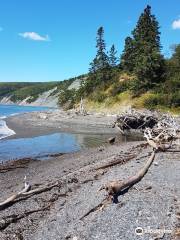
(7, 110)
(42, 146)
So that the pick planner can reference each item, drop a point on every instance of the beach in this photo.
(69, 209)
(38, 123)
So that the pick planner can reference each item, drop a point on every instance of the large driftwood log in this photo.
(115, 187)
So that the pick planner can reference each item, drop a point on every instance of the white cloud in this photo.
(34, 36)
(176, 24)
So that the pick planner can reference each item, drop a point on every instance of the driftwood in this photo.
(115, 187)
(159, 136)
(12, 165)
(135, 120)
(16, 195)
(25, 193)
(116, 162)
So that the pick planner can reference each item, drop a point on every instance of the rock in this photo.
(111, 140)
(156, 164)
(101, 148)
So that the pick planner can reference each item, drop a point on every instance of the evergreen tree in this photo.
(93, 66)
(127, 58)
(149, 63)
(142, 52)
(112, 56)
(147, 30)
(101, 60)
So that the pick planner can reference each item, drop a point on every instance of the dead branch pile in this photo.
(136, 120)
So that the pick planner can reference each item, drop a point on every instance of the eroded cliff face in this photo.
(48, 98)
(45, 99)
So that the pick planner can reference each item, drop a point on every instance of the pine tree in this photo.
(112, 56)
(142, 52)
(101, 56)
(101, 60)
(147, 30)
(149, 63)
(93, 66)
(127, 58)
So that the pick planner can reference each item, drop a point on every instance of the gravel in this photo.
(151, 204)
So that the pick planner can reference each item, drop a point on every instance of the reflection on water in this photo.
(51, 144)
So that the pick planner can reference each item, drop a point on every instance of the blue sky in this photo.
(50, 40)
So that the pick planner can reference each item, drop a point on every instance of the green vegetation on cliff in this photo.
(142, 78)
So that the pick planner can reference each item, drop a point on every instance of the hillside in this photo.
(36, 94)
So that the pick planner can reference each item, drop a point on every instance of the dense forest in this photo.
(141, 76)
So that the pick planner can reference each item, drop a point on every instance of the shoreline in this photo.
(9, 131)
(6, 132)
(40, 123)
(40, 128)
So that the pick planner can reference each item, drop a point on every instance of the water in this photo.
(42, 146)
(8, 110)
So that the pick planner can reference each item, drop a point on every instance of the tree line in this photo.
(142, 59)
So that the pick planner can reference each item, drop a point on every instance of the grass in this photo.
(124, 100)
(112, 105)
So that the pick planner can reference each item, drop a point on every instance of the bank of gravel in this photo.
(151, 203)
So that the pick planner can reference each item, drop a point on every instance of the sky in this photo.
(53, 40)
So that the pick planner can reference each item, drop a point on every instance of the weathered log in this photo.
(115, 187)
(160, 142)
(26, 192)
(116, 162)
(15, 196)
